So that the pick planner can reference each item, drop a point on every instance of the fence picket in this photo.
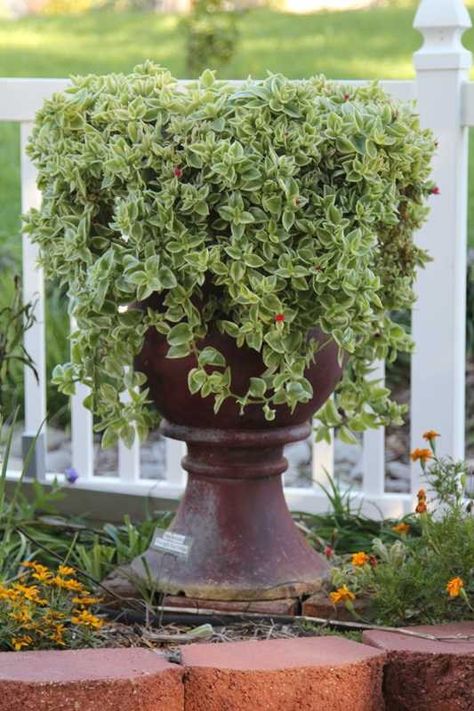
(373, 479)
(34, 338)
(81, 435)
(439, 315)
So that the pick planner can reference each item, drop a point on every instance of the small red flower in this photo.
(347, 97)
(435, 190)
(328, 552)
(279, 318)
(373, 561)
(177, 172)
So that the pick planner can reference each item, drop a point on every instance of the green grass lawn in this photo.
(361, 44)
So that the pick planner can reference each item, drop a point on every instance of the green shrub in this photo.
(211, 36)
(295, 201)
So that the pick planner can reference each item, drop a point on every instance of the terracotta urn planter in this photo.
(233, 537)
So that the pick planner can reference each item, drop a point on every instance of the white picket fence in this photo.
(445, 100)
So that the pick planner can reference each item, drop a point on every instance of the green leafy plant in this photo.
(260, 211)
(211, 35)
(425, 578)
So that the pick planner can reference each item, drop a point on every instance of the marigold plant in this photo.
(46, 609)
(259, 210)
(427, 575)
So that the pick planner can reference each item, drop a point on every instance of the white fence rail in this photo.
(446, 104)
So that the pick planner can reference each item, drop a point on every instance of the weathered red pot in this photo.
(240, 542)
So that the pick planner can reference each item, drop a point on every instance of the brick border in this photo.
(300, 674)
(425, 675)
(123, 679)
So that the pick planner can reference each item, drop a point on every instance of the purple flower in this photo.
(71, 475)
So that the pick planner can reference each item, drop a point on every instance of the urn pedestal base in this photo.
(233, 538)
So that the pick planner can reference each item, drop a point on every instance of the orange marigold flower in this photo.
(421, 507)
(360, 558)
(454, 587)
(421, 495)
(430, 434)
(86, 619)
(401, 528)
(342, 594)
(421, 455)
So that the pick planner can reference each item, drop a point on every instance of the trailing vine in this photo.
(279, 205)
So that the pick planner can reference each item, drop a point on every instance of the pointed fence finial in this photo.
(442, 24)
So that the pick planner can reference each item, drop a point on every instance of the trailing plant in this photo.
(47, 609)
(260, 211)
(426, 578)
(211, 35)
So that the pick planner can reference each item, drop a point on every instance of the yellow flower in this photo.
(29, 592)
(86, 619)
(342, 594)
(37, 567)
(86, 600)
(58, 635)
(69, 584)
(430, 435)
(42, 576)
(52, 616)
(8, 593)
(401, 528)
(421, 455)
(454, 587)
(66, 570)
(19, 642)
(360, 558)
(22, 616)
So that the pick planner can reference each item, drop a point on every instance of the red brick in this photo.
(425, 675)
(89, 680)
(303, 674)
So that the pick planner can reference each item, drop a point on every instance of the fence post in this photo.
(34, 338)
(439, 316)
